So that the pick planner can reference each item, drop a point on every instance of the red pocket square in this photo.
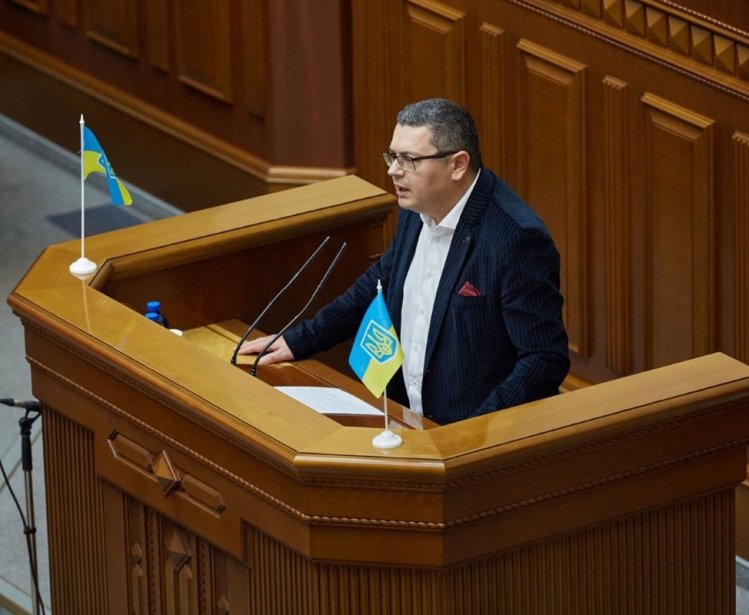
(469, 290)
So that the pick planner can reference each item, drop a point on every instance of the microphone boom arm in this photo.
(283, 330)
(272, 301)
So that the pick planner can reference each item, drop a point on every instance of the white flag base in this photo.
(387, 439)
(82, 266)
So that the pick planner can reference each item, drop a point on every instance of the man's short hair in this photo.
(452, 126)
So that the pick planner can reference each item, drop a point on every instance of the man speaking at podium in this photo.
(471, 280)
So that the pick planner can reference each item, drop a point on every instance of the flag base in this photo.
(387, 439)
(82, 267)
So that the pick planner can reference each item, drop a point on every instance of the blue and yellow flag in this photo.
(377, 353)
(95, 161)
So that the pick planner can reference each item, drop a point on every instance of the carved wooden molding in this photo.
(170, 478)
(138, 581)
(704, 48)
(165, 473)
(552, 129)
(40, 7)
(177, 549)
(177, 572)
(181, 573)
(618, 228)
(741, 245)
(596, 483)
(680, 203)
(152, 540)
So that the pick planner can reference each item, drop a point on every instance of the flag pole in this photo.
(387, 438)
(83, 266)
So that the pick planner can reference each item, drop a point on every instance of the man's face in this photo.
(429, 188)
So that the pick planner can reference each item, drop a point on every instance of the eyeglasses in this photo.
(408, 163)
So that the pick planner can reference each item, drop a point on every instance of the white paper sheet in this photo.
(329, 400)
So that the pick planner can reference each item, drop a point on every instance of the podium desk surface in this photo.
(221, 339)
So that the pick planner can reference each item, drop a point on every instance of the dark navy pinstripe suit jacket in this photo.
(502, 348)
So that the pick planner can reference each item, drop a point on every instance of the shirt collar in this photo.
(450, 221)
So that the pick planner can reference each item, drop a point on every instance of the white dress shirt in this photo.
(419, 292)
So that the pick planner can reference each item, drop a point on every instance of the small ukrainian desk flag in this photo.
(95, 161)
(377, 353)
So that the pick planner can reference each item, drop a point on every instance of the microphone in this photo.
(324, 279)
(35, 406)
(272, 301)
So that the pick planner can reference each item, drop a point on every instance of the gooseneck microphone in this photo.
(280, 292)
(34, 405)
(275, 338)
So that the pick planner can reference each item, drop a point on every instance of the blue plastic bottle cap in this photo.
(153, 306)
(153, 316)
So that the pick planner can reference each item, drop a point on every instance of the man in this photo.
(471, 280)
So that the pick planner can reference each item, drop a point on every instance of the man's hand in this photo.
(278, 352)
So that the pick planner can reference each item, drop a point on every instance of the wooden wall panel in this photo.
(217, 86)
(254, 57)
(563, 121)
(41, 7)
(493, 117)
(158, 34)
(203, 47)
(114, 24)
(374, 130)
(741, 241)
(618, 313)
(436, 31)
(552, 171)
(68, 12)
(680, 245)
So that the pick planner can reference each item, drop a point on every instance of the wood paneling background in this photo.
(260, 89)
(624, 124)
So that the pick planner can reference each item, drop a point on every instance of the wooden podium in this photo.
(177, 483)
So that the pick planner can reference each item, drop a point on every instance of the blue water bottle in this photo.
(153, 312)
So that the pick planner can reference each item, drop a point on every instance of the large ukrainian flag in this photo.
(377, 353)
(95, 161)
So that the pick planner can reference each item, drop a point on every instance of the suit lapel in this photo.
(460, 248)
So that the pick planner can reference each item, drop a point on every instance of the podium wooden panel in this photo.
(176, 483)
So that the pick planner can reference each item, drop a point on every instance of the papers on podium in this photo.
(329, 400)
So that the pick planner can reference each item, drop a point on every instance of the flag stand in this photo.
(83, 266)
(387, 438)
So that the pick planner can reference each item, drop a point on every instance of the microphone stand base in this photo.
(82, 267)
(387, 439)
